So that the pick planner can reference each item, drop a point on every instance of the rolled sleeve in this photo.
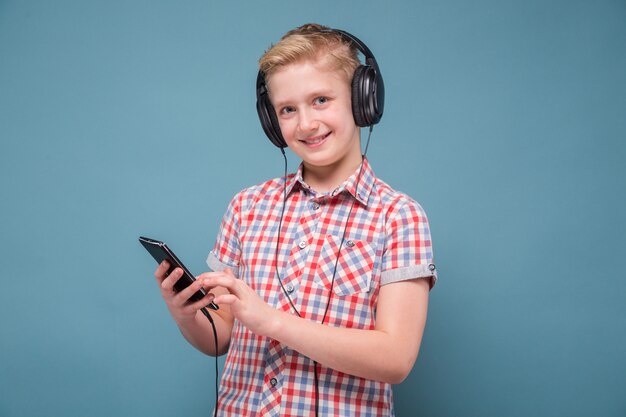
(410, 272)
(216, 265)
(408, 254)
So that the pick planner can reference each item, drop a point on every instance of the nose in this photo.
(307, 121)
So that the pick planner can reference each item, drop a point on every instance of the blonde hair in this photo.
(310, 42)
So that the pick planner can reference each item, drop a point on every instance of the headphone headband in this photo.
(368, 94)
(369, 56)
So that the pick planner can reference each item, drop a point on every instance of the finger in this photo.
(222, 280)
(161, 272)
(185, 295)
(204, 278)
(226, 299)
(213, 274)
(206, 300)
(205, 275)
(168, 283)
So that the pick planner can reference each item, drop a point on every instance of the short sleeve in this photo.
(408, 249)
(227, 250)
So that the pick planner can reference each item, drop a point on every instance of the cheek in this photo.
(287, 128)
(283, 124)
(343, 122)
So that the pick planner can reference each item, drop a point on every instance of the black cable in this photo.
(343, 237)
(345, 229)
(208, 316)
(332, 282)
(280, 223)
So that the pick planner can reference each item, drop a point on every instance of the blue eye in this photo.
(321, 100)
(286, 110)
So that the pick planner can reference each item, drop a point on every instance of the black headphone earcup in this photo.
(366, 96)
(357, 96)
(269, 121)
(278, 135)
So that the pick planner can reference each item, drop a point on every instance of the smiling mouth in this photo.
(315, 140)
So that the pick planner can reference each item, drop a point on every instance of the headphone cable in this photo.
(208, 316)
(343, 237)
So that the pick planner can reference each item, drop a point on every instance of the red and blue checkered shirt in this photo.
(387, 240)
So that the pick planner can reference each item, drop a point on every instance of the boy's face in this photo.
(314, 109)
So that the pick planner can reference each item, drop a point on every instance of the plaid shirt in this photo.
(387, 240)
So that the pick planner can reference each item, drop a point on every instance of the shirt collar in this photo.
(360, 191)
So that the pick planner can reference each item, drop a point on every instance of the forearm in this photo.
(386, 353)
(199, 332)
(197, 329)
(187, 314)
(370, 354)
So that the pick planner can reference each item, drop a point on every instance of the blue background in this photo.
(506, 120)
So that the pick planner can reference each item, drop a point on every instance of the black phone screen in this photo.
(161, 252)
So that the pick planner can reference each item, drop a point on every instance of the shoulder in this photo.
(268, 190)
(396, 203)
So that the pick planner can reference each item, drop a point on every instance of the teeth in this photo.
(315, 141)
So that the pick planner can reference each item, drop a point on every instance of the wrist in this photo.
(276, 324)
(186, 322)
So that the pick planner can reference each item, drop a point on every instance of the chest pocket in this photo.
(354, 268)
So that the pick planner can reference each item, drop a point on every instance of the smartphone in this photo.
(161, 252)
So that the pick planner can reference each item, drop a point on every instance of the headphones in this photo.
(368, 94)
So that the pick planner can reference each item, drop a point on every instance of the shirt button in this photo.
(302, 244)
(289, 288)
(315, 205)
(431, 267)
(350, 243)
(273, 382)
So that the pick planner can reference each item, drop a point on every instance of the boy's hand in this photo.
(245, 304)
(177, 302)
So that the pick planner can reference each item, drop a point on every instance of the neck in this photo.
(327, 178)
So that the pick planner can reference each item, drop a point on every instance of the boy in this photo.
(322, 277)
